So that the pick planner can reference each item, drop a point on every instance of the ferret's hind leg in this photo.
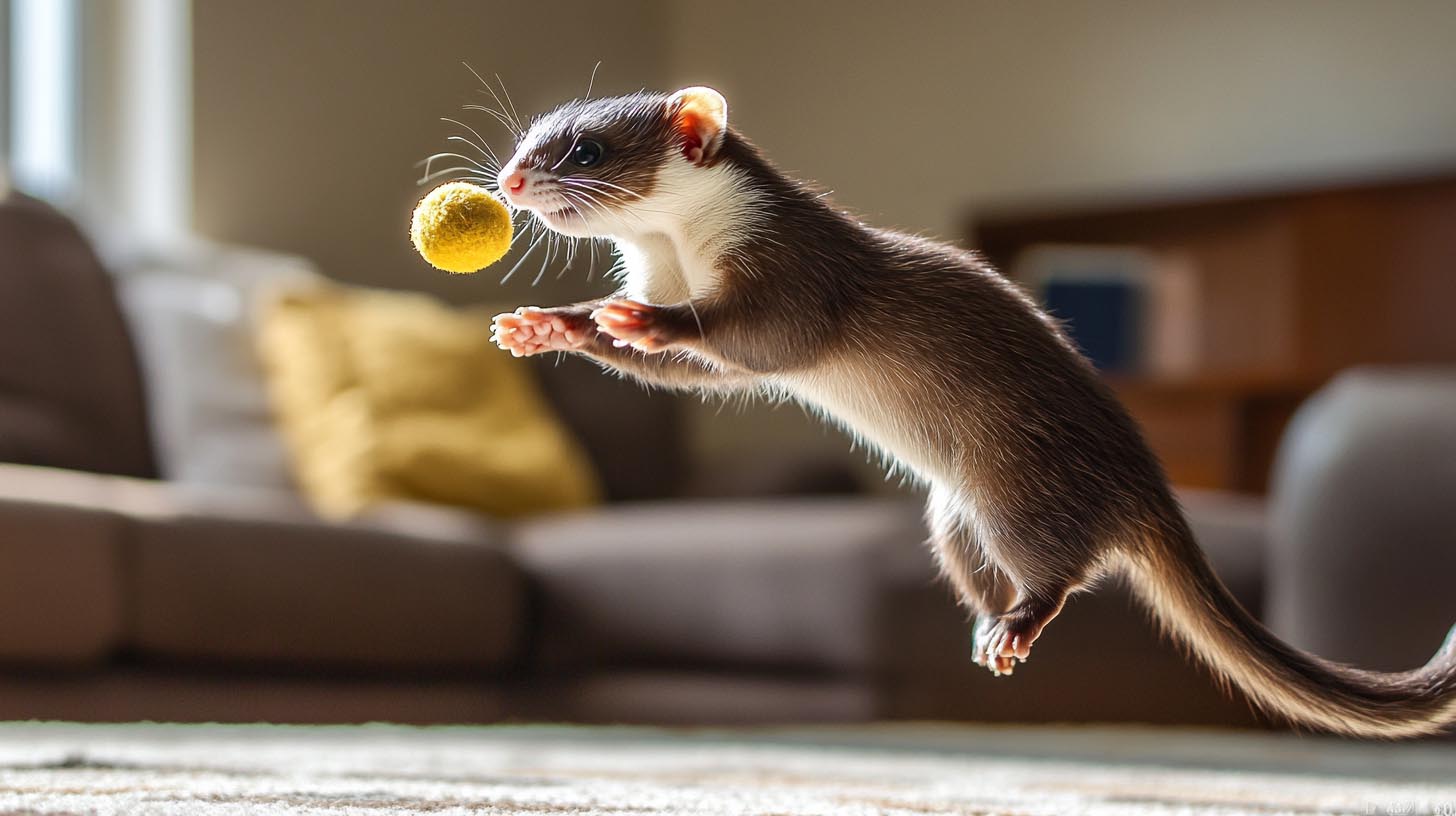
(1015, 568)
(1009, 636)
(1046, 556)
(980, 585)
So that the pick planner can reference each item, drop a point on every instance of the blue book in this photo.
(1104, 318)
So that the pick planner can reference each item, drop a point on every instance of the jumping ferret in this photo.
(737, 277)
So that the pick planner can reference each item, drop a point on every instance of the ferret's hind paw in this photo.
(1009, 636)
(985, 635)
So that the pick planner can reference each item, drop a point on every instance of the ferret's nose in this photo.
(514, 182)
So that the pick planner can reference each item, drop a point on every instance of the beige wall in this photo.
(913, 111)
(309, 114)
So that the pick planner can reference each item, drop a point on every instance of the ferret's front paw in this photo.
(634, 324)
(529, 330)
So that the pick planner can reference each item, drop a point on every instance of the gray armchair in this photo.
(1362, 519)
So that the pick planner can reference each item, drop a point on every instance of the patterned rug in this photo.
(908, 770)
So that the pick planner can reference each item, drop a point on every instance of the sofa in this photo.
(780, 598)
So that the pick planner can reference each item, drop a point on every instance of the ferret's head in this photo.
(618, 165)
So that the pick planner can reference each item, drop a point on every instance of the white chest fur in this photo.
(675, 239)
(652, 271)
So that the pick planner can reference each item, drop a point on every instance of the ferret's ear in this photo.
(700, 116)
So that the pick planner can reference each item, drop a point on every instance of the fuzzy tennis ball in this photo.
(461, 228)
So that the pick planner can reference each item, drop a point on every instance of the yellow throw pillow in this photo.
(387, 395)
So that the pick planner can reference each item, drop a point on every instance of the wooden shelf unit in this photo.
(1294, 286)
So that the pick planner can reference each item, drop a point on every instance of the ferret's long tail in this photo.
(1174, 578)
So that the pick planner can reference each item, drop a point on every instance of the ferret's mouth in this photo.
(565, 215)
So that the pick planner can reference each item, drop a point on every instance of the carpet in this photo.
(907, 770)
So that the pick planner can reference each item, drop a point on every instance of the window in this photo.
(95, 111)
(41, 98)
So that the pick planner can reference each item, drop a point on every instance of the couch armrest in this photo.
(62, 599)
(1364, 519)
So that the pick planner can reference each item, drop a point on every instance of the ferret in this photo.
(737, 277)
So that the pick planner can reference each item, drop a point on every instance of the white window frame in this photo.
(4, 90)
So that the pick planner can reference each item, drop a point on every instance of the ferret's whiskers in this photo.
(584, 183)
(469, 175)
(536, 228)
(583, 199)
(511, 102)
(575, 253)
(426, 161)
(598, 191)
(593, 80)
(570, 247)
(481, 142)
(591, 266)
(484, 156)
(532, 233)
(624, 210)
(586, 180)
(551, 248)
(532, 229)
(524, 256)
(586, 193)
(512, 124)
(495, 114)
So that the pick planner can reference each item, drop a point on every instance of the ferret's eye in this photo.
(586, 153)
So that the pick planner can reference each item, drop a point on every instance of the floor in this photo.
(892, 769)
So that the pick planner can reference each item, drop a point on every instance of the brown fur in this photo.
(1040, 482)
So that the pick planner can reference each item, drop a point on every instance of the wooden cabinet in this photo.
(1214, 432)
(1294, 285)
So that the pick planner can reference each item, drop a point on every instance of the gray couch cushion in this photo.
(230, 575)
(194, 319)
(786, 584)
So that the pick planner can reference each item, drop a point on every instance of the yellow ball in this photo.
(461, 228)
